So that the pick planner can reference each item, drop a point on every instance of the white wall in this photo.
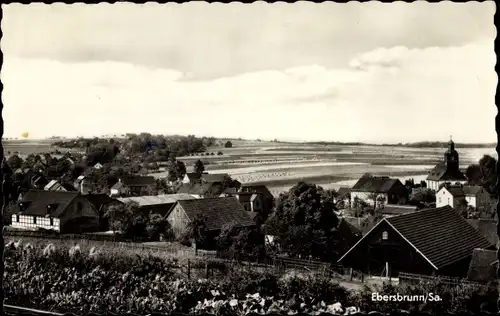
(27, 222)
(443, 198)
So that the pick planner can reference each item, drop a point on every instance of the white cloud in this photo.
(389, 94)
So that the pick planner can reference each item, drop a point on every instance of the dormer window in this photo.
(385, 235)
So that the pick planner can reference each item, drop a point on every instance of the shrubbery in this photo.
(79, 281)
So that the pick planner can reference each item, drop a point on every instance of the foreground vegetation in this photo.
(72, 280)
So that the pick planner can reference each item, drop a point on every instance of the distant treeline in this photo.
(425, 144)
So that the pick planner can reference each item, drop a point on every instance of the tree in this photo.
(484, 173)
(198, 166)
(228, 144)
(196, 231)
(303, 225)
(120, 215)
(176, 170)
(15, 162)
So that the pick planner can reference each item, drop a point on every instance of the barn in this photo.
(434, 241)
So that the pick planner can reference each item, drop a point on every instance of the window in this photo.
(17, 218)
(385, 236)
(51, 221)
(439, 199)
(34, 219)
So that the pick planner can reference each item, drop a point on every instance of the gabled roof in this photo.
(38, 200)
(99, 200)
(375, 184)
(486, 227)
(50, 185)
(193, 176)
(440, 235)
(201, 188)
(157, 199)
(483, 266)
(344, 191)
(455, 191)
(214, 177)
(472, 190)
(442, 173)
(217, 211)
(396, 209)
(138, 180)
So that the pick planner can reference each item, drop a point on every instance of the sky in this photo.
(365, 72)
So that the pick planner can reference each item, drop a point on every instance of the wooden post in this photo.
(387, 270)
(189, 269)
(350, 274)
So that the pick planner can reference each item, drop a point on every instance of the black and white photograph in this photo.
(230, 159)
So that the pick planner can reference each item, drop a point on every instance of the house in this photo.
(434, 241)
(474, 195)
(446, 171)
(216, 212)
(483, 266)
(255, 198)
(55, 185)
(133, 186)
(387, 190)
(159, 204)
(65, 212)
(98, 166)
(191, 177)
(202, 190)
(38, 181)
(343, 199)
(397, 209)
(83, 185)
(214, 177)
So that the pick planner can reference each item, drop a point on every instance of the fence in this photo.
(420, 278)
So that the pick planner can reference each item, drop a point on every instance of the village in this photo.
(444, 226)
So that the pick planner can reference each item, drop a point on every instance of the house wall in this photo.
(80, 216)
(178, 220)
(366, 196)
(28, 222)
(372, 253)
(434, 185)
(443, 198)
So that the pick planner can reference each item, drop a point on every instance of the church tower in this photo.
(451, 157)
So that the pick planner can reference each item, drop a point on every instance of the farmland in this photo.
(281, 165)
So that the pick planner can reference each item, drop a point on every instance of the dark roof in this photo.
(472, 189)
(346, 225)
(214, 177)
(455, 191)
(138, 180)
(217, 211)
(442, 173)
(201, 188)
(343, 192)
(483, 266)
(193, 176)
(68, 187)
(99, 200)
(396, 209)
(486, 227)
(39, 200)
(363, 224)
(375, 184)
(442, 235)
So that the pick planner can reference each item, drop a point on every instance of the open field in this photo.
(281, 165)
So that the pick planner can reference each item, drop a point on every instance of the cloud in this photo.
(387, 95)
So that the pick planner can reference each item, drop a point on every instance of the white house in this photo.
(387, 190)
(65, 212)
(475, 196)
